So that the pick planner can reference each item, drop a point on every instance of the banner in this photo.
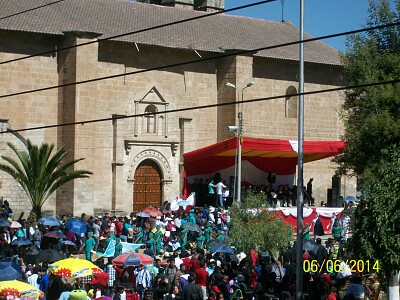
(129, 247)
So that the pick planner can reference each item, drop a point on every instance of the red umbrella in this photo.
(153, 212)
(133, 259)
(56, 234)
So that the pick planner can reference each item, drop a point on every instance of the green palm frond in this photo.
(39, 171)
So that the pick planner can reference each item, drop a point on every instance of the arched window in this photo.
(151, 120)
(291, 103)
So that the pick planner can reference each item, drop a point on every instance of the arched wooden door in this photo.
(147, 186)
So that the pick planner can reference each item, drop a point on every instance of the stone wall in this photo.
(113, 149)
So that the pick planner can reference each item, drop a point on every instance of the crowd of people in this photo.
(185, 266)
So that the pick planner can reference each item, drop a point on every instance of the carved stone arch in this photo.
(157, 157)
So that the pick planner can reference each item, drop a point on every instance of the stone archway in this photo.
(147, 188)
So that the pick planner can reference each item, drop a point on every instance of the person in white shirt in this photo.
(219, 188)
(344, 269)
(32, 279)
(345, 225)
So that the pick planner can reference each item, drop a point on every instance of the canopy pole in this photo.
(299, 246)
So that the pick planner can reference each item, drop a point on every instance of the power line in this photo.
(141, 30)
(241, 52)
(30, 9)
(337, 89)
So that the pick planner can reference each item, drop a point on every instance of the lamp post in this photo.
(240, 136)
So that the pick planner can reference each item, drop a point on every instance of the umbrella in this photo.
(192, 227)
(133, 259)
(350, 198)
(73, 267)
(10, 270)
(142, 214)
(15, 224)
(222, 249)
(153, 212)
(56, 234)
(214, 244)
(76, 226)
(19, 289)
(49, 221)
(49, 255)
(69, 243)
(4, 222)
(21, 242)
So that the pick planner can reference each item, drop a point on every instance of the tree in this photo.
(39, 172)
(256, 228)
(371, 118)
(376, 229)
(371, 115)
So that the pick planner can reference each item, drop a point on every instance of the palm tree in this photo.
(39, 172)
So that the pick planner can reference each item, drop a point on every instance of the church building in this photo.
(134, 99)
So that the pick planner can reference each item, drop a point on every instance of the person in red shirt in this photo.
(194, 263)
(201, 278)
(186, 260)
(118, 226)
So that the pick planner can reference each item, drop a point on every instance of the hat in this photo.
(240, 278)
(158, 217)
(78, 295)
(215, 289)
(212, 260)
(212, 209)
(128, 217)
(99, 217)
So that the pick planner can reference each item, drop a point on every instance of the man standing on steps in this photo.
(219, 189)
(309, 192)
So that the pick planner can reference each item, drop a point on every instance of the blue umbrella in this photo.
(350, 198)
(4, 223)
(21, 242)
(49, 221)
(76, 226)
(143, 215)
(10, 270)
(222, 249)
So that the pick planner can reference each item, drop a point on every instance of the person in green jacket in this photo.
(138, 236)
(337, 230)
(219, 237)
(200, 240)
(306, 232)
(118, 248)
(207, 233)
(152, 243)
(89, 244)
(158, 235)
(183, 240)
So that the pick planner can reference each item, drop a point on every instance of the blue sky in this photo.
(321, 17)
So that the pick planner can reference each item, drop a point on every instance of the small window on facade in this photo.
(291, 102)
(151, 120)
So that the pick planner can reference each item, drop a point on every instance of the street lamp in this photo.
(239, 135)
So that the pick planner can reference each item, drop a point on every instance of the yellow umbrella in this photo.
(74, 267)
(19, 289)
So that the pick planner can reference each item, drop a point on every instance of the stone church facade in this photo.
(138, 161)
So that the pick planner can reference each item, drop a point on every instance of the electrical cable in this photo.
(337, 89)
(141, 30)
(30, 9)
(241, 52)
